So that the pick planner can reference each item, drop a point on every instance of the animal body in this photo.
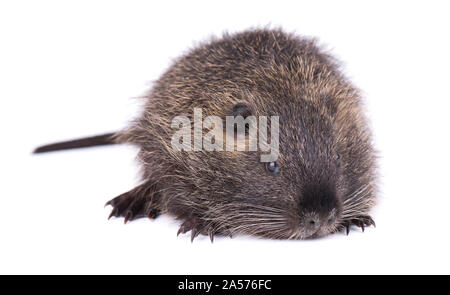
(324, 178)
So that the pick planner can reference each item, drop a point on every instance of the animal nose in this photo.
(312, 223)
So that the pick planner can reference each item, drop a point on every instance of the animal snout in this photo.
(312, 224)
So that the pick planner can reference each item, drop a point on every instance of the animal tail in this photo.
(104, 139)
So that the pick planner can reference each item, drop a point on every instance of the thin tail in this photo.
(104, 139)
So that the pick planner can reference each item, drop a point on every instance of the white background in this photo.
(70, 69)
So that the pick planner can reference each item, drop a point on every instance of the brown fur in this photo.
(320, 117)
(327, 165)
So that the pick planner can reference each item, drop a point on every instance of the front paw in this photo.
(360, 221)
(196, 226)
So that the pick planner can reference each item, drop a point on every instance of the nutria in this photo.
(324, 177)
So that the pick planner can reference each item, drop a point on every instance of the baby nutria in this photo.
(323, 179)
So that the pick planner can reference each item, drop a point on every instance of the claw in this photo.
(186, 226)
(182, 229)
(113, 213)
(230, 233)
(211, 236)
(362, 226)
(372, 222)
(347, 228)
(194, 233)
(128, 216)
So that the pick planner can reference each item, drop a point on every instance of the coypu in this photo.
(324, 177)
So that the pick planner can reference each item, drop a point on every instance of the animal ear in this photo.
(242, 109)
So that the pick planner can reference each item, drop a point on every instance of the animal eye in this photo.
(338, 159)
(272, 167)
